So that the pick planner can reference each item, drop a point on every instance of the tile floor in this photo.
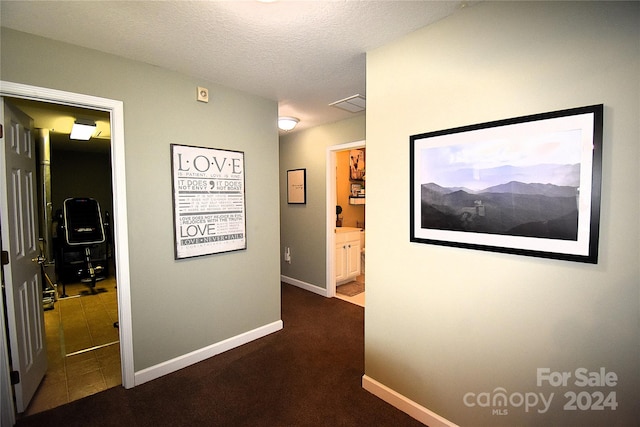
(356, 299)
(82, 346)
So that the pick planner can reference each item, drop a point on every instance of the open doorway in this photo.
(119, 218)
(80, 288)
(346, 234)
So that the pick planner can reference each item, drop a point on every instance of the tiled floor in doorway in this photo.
(357, 299)
(82, 346)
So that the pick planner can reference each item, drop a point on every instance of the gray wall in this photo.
(443, 322)
(177, 306)
(303, 227)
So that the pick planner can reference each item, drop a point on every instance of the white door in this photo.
(23, 287)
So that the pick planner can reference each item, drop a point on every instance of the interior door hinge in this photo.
(1, 129)
(15, 377)
(5, 257)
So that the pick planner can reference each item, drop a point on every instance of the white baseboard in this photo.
(196, 356)
(407, 406)
(304, 285)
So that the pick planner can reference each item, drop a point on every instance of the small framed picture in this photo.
(356, 165)
(356, 190)
(297, 186)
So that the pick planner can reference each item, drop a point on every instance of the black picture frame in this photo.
(297, 186)
(209, 208)
(527, 185)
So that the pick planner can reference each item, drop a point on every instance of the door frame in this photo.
(118, 178)
(330, 215)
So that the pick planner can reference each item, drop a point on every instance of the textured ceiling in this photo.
(304, 54)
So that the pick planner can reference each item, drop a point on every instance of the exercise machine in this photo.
(82, 243)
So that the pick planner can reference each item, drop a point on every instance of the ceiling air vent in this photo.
(353, 104)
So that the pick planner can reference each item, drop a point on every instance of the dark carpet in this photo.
(308, 374)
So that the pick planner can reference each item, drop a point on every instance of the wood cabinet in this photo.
(347, 254)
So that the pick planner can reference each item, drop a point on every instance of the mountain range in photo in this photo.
(529, 209)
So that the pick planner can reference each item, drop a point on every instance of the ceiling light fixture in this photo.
(287, 123)
(83, 130)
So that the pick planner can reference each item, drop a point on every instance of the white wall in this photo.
(443, 322)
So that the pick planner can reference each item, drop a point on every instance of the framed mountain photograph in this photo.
(527, 185)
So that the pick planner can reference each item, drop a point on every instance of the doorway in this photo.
(80, 314)
(331, 215)
(119, 219)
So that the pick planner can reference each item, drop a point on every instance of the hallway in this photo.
(307, 374)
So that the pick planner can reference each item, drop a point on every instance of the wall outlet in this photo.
(287, 255)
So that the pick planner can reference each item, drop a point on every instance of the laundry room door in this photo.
(23, 281)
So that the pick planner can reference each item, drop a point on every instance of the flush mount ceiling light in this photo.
(287, 123)
(83, 130)
(353, 104)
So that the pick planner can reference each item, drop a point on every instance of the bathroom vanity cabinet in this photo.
(347, 254)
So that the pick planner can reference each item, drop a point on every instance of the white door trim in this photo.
(115, 108)
(331, 211)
